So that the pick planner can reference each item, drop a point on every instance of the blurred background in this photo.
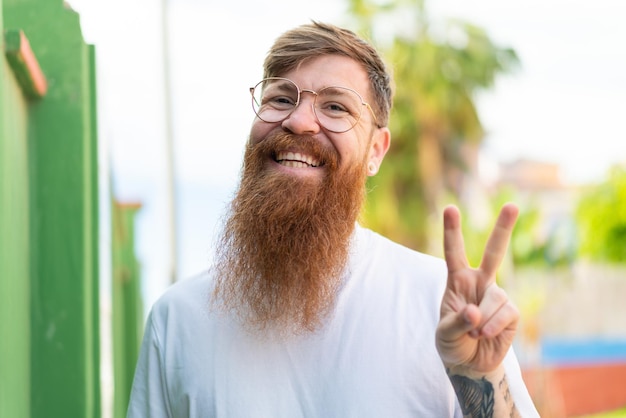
(132, 149)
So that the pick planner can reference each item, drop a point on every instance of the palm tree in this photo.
(436, 129)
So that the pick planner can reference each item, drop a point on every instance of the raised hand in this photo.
(478, 321)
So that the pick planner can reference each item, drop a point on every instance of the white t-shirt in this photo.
(375, 356)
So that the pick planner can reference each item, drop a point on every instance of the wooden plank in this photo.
(24, 64)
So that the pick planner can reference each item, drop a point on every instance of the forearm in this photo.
(483, 395)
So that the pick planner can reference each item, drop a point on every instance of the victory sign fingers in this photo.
(474, 307)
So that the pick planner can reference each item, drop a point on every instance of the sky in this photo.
(564, 105)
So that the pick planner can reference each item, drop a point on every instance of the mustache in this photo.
(277, 142)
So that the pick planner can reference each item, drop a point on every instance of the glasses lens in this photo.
(273, 99)
(338, 108)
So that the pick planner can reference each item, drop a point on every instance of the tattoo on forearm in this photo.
(476, 397)
(508, 398)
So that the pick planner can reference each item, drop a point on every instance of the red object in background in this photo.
(570, 391)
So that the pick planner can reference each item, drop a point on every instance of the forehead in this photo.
(330, 70)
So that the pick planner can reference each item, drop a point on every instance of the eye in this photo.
(336, 107)
(280, 102)
(338, 102)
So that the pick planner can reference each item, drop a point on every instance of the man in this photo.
(306, 313)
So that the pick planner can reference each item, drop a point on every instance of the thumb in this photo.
(455, 325)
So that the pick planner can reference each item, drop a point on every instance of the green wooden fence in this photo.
(49, 244)
(127, 318)
(49, 340)
(14, 248)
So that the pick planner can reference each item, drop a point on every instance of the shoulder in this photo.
(389, 255)
(385, 267)
(185, 298)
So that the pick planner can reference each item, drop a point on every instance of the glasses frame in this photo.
(315, 95)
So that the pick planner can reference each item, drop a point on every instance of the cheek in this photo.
(352, 149)
(260, 130)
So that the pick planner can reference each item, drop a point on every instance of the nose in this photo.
(303, 120)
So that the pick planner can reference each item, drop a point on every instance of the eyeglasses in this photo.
(337, 109)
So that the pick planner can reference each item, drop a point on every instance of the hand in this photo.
(478, 321)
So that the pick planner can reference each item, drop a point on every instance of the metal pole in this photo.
(169, 144)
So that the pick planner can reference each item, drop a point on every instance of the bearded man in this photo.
(306, 313)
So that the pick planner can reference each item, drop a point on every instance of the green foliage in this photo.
(620, 413)
(525, 245)
(538, 241)
(601, 218)
(435, 124)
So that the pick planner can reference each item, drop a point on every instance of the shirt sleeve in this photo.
(521, 397)
(148, 398)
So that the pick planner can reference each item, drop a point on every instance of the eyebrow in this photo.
(337, 90)
(282, 85)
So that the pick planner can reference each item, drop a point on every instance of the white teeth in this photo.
(294, 164)
(296, 159)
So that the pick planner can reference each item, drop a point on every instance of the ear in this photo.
(381, 139)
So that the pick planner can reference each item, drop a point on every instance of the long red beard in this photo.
(286, 241)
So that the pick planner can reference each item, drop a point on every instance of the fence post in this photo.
(62, 214)
(14, 245)
(127, 306)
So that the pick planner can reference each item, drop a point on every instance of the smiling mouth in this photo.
(296, 160)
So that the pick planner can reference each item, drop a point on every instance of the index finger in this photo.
(453, 245)
(499, 240)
